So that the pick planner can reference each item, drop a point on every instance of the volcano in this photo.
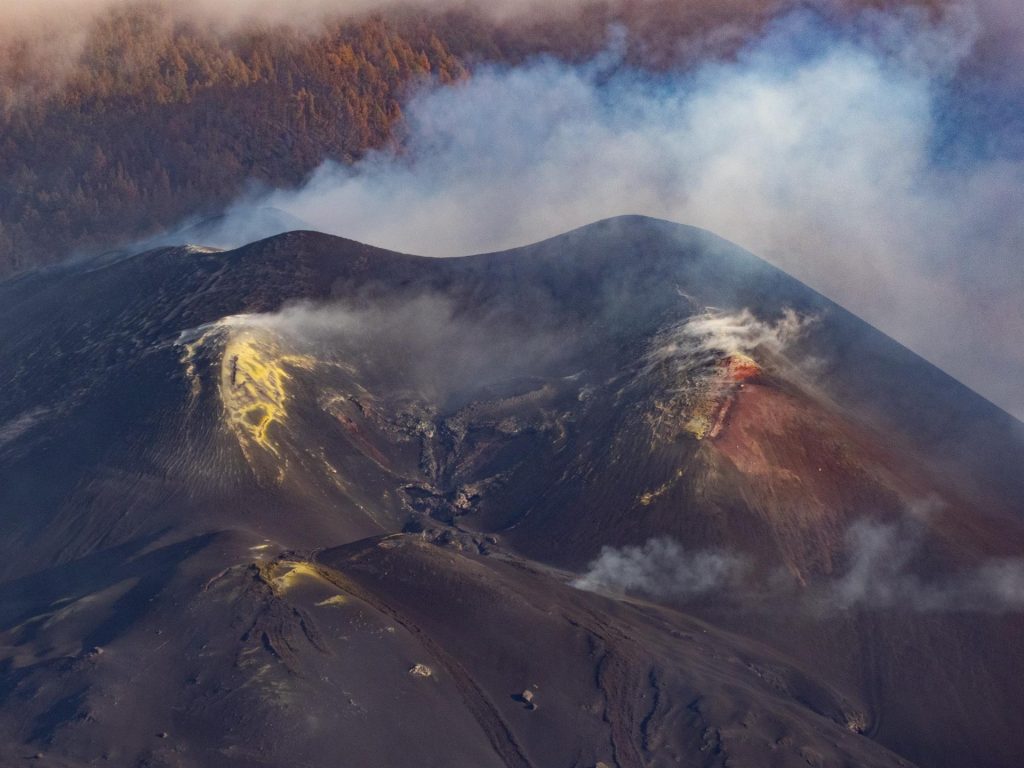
(626, 497)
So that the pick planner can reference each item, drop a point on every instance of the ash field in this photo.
(626, 497)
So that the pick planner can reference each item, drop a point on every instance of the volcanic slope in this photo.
(310, 499)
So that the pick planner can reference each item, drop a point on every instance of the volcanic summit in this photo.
(626, 497)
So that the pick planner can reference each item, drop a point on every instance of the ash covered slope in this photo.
(180, 460)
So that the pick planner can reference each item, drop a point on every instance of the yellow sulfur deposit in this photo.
(701, 421)
(335, 600)
(288, 573)
(648, 497)
(254, 381)
(717, 393)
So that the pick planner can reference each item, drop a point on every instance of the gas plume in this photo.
(829, 152)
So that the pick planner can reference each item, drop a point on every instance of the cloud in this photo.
(660, 568)
(815, 149)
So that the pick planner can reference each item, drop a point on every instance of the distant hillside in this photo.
(159, 120)
(161, 123)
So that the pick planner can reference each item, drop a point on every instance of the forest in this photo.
(156, 120)
(157, 123)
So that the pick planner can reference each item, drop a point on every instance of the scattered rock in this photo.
(162, 735)
(421, 670)
(857, 722)
(90, 655)
(527, 697)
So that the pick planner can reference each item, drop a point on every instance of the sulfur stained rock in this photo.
(421, 670)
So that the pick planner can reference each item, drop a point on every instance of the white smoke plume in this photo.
(880, 575)
(849, 159)
(422, 343)
(693, 350)
(660, 568)
(20, 425)
(712, 335)
(828, 154)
